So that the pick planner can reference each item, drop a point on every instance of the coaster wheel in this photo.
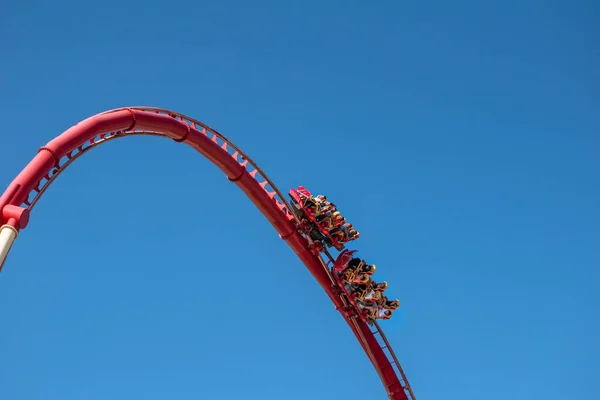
(337, 291)
(304, 226)
(316, 247)
(352, 312)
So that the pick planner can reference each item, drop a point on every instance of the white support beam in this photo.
(8, 234)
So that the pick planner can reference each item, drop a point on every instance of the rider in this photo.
(333, 220)
(372, 291)
(344, 233)
(357, 277)
(373, 311)
(326, 207)
(321, 198)
(373, 296)
(391, 304)
(322, 206)
(352, 282)
(356, 264)
(353, 234)
(383, 313)
(339, 234)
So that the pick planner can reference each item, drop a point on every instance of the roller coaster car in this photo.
(339, 265)
(309, 224)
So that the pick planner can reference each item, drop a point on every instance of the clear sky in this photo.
(460, 138)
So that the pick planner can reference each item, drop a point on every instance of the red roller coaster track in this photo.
(23, 193)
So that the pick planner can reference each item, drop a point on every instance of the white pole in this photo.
(8, 234)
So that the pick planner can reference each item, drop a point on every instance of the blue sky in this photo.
(460, 138)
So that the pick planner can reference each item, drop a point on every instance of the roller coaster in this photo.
(309, 242)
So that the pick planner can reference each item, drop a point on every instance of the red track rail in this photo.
(24, 192)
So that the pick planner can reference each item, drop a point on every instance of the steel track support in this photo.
(8, 234)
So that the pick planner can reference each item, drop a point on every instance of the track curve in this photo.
(26, 189)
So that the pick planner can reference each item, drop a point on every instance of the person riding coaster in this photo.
(346, 227)
(391, 304)
(382, 303)
(373, 296)
(377, 306)
(332, 221)
(360, 286)
(371, 290)
(309, 203)
(374, 311)
(326, 204)
(317, 205)
(355, 267)
(382, 313)
(356, 277)
(344, 234)
(353, 235)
